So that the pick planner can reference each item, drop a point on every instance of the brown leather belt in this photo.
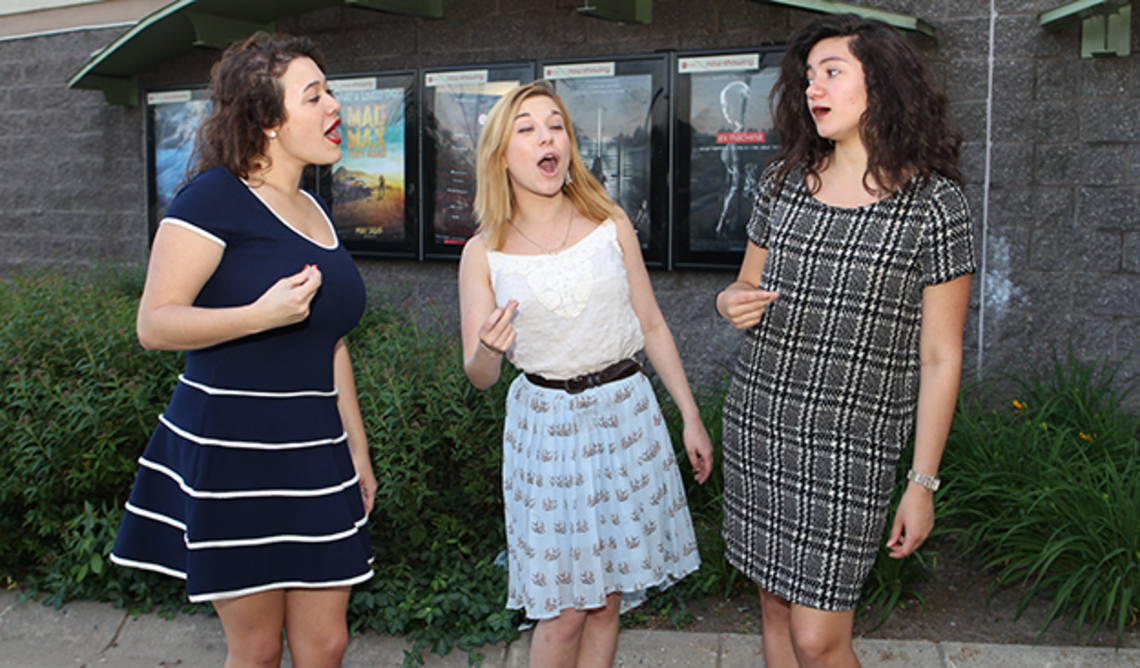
(616, 371)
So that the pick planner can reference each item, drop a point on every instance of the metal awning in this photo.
(1106, 25)
(184, 24)
(902, 21)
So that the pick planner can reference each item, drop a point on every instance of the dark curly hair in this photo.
(248, 98)
(906, 128)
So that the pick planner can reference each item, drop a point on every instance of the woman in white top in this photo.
(595, 508)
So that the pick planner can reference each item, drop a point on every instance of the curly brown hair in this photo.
(906, 128)
(248, 98)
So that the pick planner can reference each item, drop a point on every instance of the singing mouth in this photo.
(332, 134)
(548, 165)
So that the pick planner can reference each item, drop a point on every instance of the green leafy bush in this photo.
(1046, 488)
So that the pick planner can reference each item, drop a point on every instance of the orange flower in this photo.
(1018, 406)
(1087, 437)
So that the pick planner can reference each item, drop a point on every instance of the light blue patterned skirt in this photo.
(594, 498)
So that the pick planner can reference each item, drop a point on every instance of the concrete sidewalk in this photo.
(91, 635)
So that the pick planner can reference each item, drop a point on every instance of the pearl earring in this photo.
(569, 179)
(272, 134)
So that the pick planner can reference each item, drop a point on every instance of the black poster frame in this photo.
(640, 187)
(449, 189)
(365, 102)
(723, 137)
(166, 173)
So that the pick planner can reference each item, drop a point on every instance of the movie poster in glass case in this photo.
(724, 138)
(456, 103)
(173, 118)
(619, 108)
(372, 188)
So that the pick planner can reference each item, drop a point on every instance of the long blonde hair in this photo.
(494, 201)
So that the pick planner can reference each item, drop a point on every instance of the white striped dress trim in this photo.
(157, 517)
(220, 391)
(147, 566)
(279, 538)
(250, 494)
(193, 228)
(249, 445)
(200, 598)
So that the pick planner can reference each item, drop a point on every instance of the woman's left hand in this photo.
(914, 520)
(699, 448)
(367, 484)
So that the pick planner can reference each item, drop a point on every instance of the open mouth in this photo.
(819, 112)
(548, 165)
(333, 134)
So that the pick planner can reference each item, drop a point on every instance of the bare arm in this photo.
(349, 408)
(486, 329)
(940, 347)
(662, 351)
(181, 261)
(741, 303)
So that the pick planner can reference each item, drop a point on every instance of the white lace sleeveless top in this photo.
(574, 314)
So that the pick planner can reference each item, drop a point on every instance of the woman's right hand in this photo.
(497, 334)
(287, 301)
(742, 306)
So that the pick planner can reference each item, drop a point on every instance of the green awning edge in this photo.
(209, 28)
(1071, 12)
(902, 21)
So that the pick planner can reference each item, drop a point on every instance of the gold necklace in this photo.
(550, 251)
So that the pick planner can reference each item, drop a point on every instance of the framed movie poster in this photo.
(373, 189)
(455, 106)
(620, 108)
(724, 136)
(172, 121)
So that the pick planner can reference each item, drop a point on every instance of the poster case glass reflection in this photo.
(455, 106)
(373, 189)
(620, 110)
(724, 136)
(172, 121)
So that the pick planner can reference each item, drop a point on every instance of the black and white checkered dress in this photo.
(824, 391)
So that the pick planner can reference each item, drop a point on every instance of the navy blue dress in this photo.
(247, 484)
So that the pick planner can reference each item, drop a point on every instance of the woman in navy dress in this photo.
(257, 483)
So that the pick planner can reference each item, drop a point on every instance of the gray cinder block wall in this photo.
(1052, 155)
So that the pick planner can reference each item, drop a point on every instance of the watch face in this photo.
(934, 483)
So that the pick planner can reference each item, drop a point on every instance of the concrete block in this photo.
(1011, 165)
(1074, 250)
(1049, 121)
(1089, 336)
(965, 38)
(1109, 208)
(378, 649)
(1127, 339)
(1050, 291)
(1057, 78)
(1013, 79)
(1057, 165)
(1006, 7)
(971, 119)
(1103, 164)
(666, 649)
(739, 650)
(1020, 35)
(150, 640)
(1108, 121)
(1106, 294)
(1130, 253)
(965, 655)
(893, 654)
(36, 636)
(1104, 77)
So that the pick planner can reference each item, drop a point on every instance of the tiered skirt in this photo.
(240, 492)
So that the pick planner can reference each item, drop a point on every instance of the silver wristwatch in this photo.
(930, 482)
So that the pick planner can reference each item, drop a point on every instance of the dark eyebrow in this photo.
(311, 84)
(827, 59)
(553, 112)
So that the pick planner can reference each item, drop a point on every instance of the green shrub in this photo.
(1046, 488)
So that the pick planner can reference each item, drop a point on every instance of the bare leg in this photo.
(253, 629)
(316, 627)
(822, 639)
(777, 631)
(598, 645)
(556, 641)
